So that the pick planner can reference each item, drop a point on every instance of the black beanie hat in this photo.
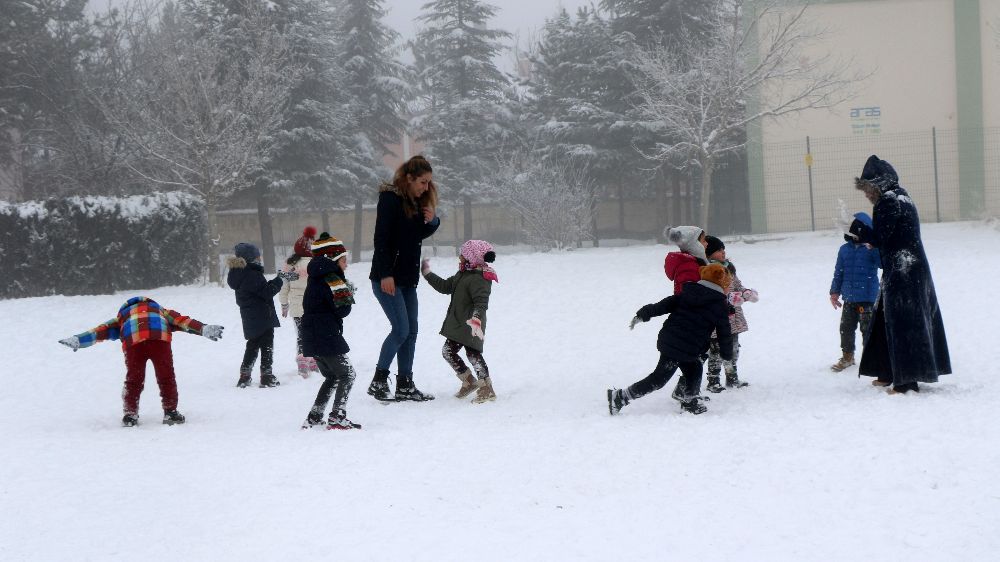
(714, 245)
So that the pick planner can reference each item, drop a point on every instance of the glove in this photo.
(425, 266)
(635, 320)
(213, 332)
(835, 300)
(289, 275)
(750, 295)
(284, 311)
(736, 298)
(71, 342)
(477, 327)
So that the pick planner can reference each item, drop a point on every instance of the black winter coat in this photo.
(254, 295)
(322, 318)
(906, 338)
(398, 240)
(698, 310)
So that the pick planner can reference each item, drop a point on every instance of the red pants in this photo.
(135, 377)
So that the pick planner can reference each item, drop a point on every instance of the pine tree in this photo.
(464, 122)
(378, 86)
(656, 22)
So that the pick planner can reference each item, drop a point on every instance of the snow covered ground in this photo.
(805, 464)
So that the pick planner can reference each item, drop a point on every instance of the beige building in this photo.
(931, 107)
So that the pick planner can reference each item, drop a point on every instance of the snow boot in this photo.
(130, 420)
(244, 380)
(844, 362)
(338, 420)
(678, 393)
(314, 418)
(379, 388)
(733, 381)
(406, 390)
(485, 392)
(469, 384)
(312, 364)
(269, 381)
(616, 401)
(694, 406)
(714, 385)
(302, 363)
(172, 417)
(880, 382)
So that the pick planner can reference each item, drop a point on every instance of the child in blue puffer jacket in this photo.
(855, 279)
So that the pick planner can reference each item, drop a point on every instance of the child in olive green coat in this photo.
(465, 323)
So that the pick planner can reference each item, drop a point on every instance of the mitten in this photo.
(71, 342)
(284, 310)
(635, 320)
(213, 332)
(477, 327)
(289, 275)
(425, 266)
(750, 295)
(736, 298)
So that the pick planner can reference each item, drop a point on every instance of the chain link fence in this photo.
(950, 176)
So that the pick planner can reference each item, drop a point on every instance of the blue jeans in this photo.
(401, 310)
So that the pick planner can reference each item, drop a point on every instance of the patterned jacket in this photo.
(737, 320)
(140, 319)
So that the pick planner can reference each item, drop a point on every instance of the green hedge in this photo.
(98, 245)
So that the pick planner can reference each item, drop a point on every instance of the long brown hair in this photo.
(412, 169)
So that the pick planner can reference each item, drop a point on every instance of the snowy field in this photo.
(805, 464)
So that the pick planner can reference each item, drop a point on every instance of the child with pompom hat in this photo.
(291, 294)
(465, 323)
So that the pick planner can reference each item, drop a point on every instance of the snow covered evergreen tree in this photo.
(657, 22)
(378, 86)
(463, 119)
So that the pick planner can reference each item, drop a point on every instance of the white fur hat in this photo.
(686, 238)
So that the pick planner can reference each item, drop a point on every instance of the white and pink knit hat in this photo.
(474, 252)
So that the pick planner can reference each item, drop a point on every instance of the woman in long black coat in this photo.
(906, 342)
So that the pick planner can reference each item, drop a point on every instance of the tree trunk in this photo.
(675, 190)
(359, 215)
(621, 209)
(458, 243)
(706, 191)
(212, 248)
(324, 217)
(467, 218)
(266, 229)
(593, 218)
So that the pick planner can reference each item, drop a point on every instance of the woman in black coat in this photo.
(906, 342)
(404, 218)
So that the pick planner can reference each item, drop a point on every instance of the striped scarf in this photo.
(343, 290)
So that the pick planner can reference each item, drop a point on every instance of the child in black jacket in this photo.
(698, 310)
(255, 297)
(326, 302)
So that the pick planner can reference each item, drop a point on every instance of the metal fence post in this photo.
(809, 166)
(937, 195)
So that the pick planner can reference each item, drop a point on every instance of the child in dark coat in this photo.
(695, 313)
(855, 279)
(737, 295)
(465, 323)
(255, 297)
(327, 301)
(144, 328)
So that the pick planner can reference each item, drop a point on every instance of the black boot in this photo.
(172, 417)
(314, 418)
(616, 400)
(130, 420)
(244, 380)
(406, 390)
(694, 406)
(269, 381)
(714, 384)
(733, 381)
(379, 388)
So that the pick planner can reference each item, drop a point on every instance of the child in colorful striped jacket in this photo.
(144, 328)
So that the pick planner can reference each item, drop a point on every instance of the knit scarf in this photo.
(343, 290)
(488, 272)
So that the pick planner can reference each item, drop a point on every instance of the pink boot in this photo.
(303, 364)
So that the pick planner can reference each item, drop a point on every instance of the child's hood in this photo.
(675, 260)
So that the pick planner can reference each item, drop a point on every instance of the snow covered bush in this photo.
(554, 200)
(93, 245)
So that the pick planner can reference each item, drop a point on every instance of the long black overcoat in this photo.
(906, 340)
